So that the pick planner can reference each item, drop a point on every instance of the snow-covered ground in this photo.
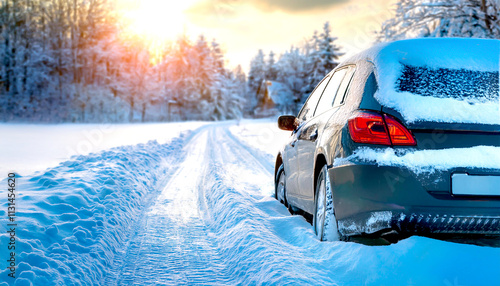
(29, 148)
(193, 208)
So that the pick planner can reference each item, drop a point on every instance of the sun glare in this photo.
(156, 21)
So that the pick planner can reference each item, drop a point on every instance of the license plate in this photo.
(474, 185)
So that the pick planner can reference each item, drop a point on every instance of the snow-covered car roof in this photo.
(456, 53)
(471, 65)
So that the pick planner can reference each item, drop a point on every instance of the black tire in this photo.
(324, 221)
(280, 186)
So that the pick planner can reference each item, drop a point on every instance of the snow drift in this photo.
(76, 217)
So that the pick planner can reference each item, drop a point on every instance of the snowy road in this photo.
(178, 239)
(198, 209)
(173, 243)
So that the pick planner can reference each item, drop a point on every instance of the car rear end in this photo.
(428, 160)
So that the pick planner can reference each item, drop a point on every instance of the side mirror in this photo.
(288, 122)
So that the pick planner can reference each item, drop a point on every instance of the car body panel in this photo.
(290, 157)
(306, 149)
(360, 190)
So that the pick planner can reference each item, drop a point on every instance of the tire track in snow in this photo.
(260, 159)
(248, 222)
(175, 246)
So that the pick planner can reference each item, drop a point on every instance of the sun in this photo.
(156, 21)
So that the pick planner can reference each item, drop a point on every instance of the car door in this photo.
(290, 155)
(307, 140)
(290, 165)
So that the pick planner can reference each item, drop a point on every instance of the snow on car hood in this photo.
(460, 57)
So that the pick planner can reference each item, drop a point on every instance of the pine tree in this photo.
(256, 75)
(219, 85)
(257, 72)
(323, 57)
(329, 53)
(293, 72)
(271, 71)
(203, 70)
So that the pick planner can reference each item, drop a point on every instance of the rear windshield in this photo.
(468, 85)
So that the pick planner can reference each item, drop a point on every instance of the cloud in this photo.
(229, 7)
(214, 7)
(294, 5)
(213, 13)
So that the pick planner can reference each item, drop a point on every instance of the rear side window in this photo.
(307, 111)
(335, 92)
(463, 84)
(326, 101)
(344, 87)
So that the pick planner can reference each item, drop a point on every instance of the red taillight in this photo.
(369, 128)
(374, 128)
(400, 135)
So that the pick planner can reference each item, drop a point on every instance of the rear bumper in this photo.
(420, 223)
(370, 198)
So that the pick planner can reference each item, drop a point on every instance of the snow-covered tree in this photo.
(51, 52)
(257, 72)
(293, 71)
(271, 72)
(328, 52)
(204, 88)
(203, 72)
(299, 69)
(324, 56)
(437, 18)
(256, 75)
(240, 86)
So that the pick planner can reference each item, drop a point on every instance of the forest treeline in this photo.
(67, 61)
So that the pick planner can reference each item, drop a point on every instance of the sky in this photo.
(243, 27)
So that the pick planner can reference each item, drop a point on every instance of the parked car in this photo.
(401, 139)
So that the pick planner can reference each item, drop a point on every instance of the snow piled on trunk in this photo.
(487, 157)
(416, 108)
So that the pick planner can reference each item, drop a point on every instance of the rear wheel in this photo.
(280, 187)
(324, 221)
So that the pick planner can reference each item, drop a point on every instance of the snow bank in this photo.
(487, 157)
(75, 218)
(27, 148)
